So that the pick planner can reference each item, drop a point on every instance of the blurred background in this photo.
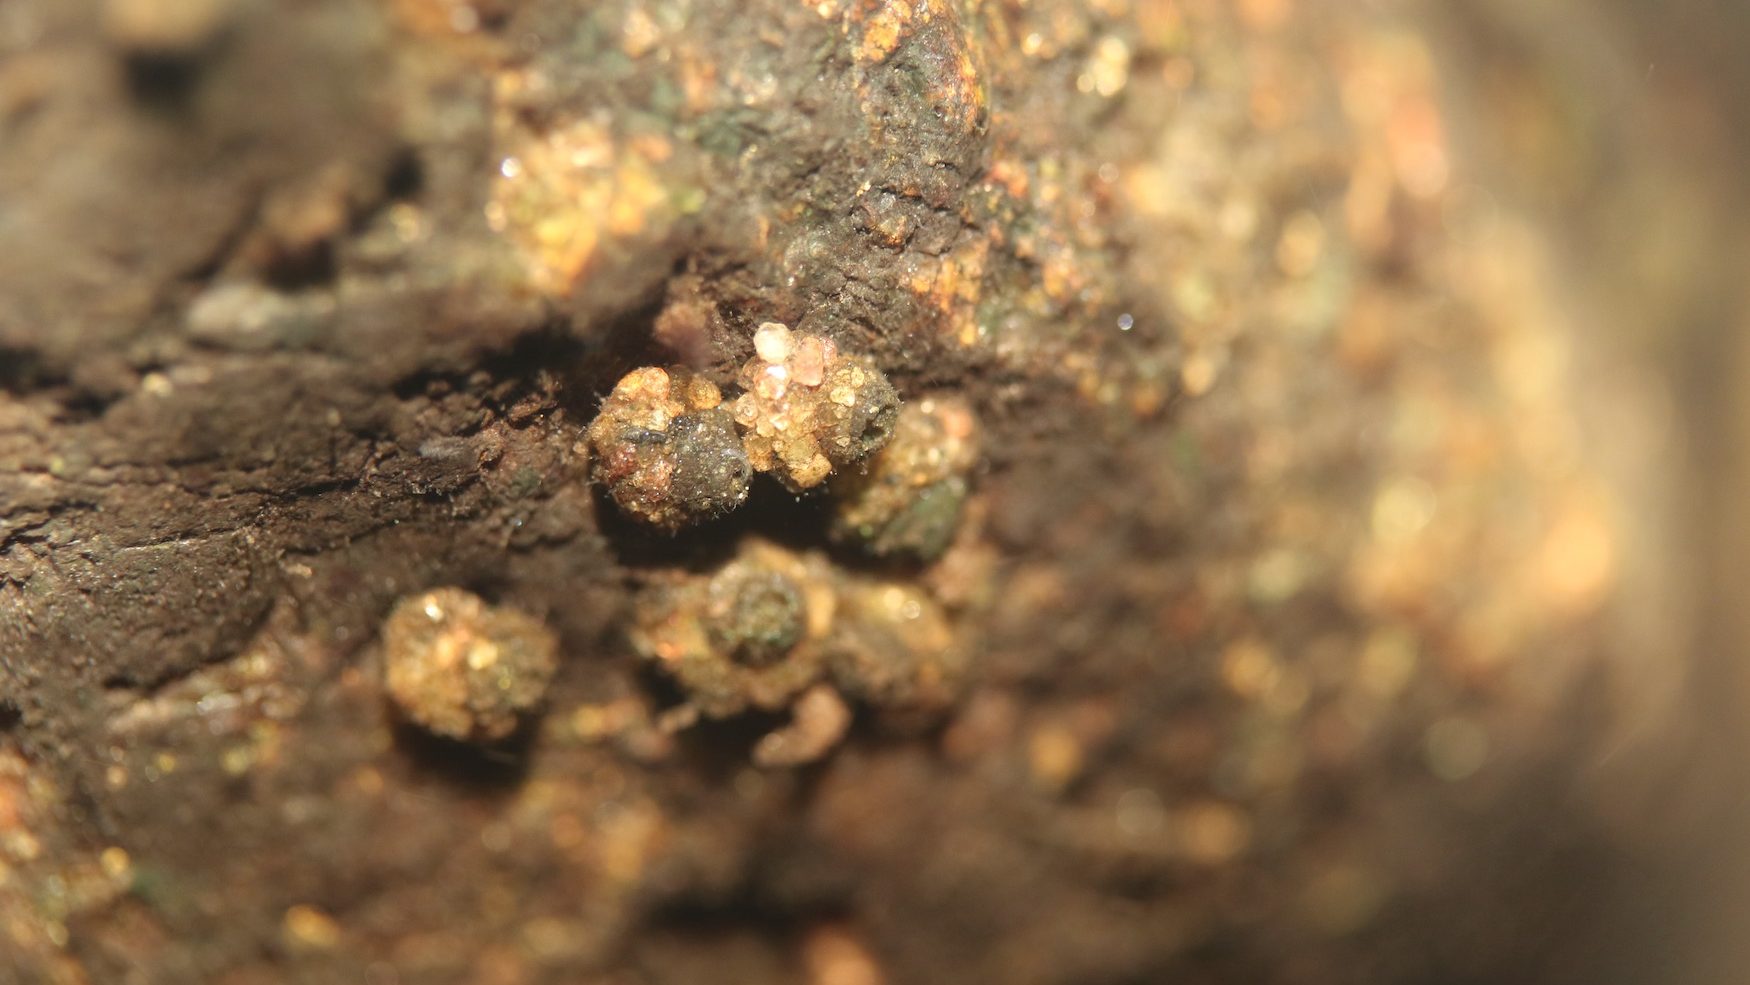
(1622, 126)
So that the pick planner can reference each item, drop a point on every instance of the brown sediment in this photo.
(1275, 603)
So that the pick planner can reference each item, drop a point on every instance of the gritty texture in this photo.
(464, 669)
(907, 500)
(807, 408)
(746, 636)
(1279, 638)
(666, 449)
(771, 628)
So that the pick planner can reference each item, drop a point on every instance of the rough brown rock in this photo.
(1279, 612)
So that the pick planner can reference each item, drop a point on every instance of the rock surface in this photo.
(1278, 600)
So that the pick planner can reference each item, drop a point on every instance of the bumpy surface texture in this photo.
(808, 407)
(1261, 643)
(463, 669)
(665, 449)
(907, 499)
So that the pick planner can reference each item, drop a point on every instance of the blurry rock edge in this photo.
(1280, 590)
